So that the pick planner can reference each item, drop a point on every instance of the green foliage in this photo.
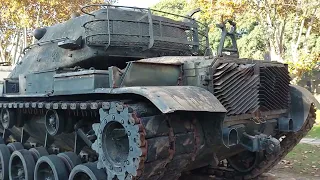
(252, 43)
(179, 7)
(282, 27)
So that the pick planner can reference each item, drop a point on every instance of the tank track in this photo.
(165, 152)
(268, 161)
(169, 161)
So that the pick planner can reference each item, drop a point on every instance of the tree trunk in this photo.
(273, 49)
(14, 60)
(305, 43)
(25, 43)
(37, 22)
(2, 54)
(295, 44)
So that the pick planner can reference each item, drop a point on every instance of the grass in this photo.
(315, 131)
(303, 160)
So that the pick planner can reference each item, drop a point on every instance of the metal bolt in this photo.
(131, 148)
(132, 121)
(119, 107)
(127, 162)
(106, 105)
(113, 117)
(122, 121)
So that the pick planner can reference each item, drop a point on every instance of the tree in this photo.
(220, 10)
(180, 7)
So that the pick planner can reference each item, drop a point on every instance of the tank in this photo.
(126, 93)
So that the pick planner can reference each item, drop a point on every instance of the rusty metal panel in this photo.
(177, 98)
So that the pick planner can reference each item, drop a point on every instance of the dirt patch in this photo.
(285, 174)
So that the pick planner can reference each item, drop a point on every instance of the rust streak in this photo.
(196, 138)
(172, 145)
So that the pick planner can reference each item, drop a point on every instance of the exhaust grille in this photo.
(236, 87)
(274, 88)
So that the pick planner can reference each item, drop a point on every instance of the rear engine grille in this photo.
(236, 86)
(246, 88)
(274, 88)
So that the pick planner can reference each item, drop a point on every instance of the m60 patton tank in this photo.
(122, 93)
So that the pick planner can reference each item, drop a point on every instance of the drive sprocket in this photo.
(120, 143)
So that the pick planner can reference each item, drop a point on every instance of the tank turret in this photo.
(109, 36)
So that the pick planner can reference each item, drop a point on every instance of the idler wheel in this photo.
(70, 159)
(88, 171)
(15, 146)
(4, 162)
(7, 118)
(21, 165)
(54, 122)
(50, 167)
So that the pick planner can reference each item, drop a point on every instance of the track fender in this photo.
(301, 100)
(176, 98)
